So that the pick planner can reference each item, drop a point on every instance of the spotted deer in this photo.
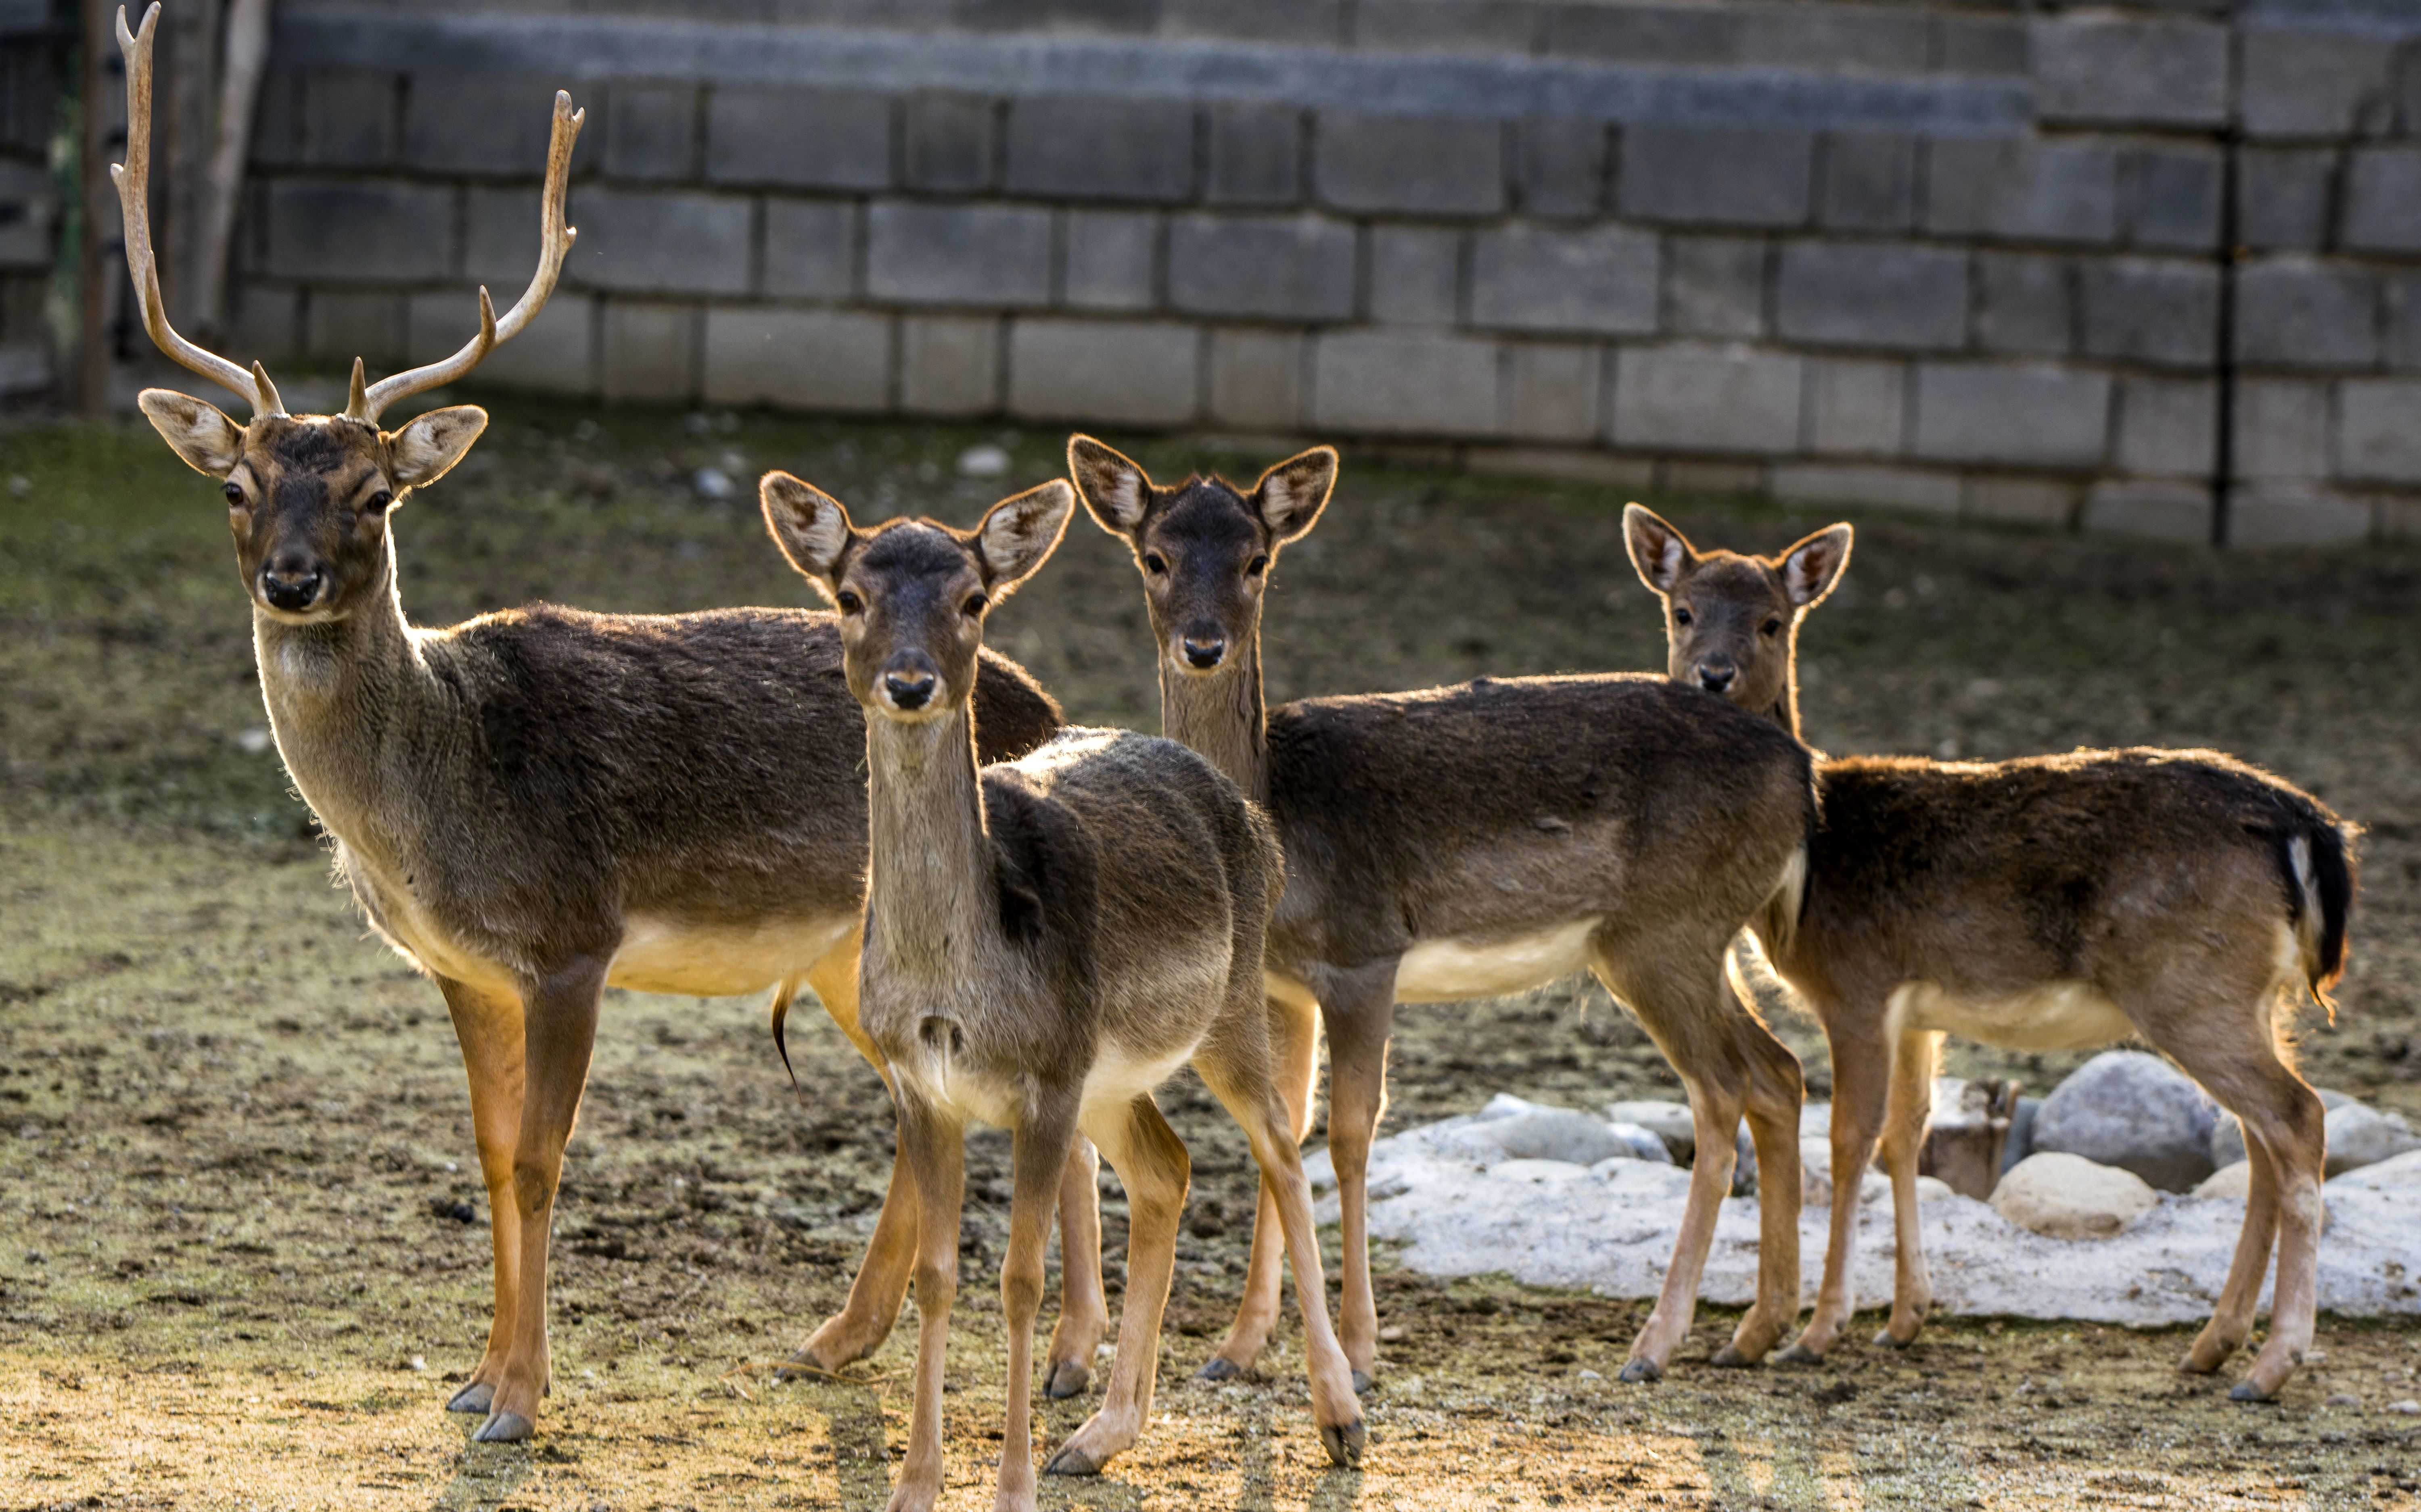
(2052, 902)
(1471, 841)
(1046, 942)
(538, 802)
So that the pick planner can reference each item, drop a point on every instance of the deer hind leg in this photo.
(1294, 1047)
(1862, 1075)
(489, 1028)
(933, 1144)
(1908, 1109)
(1358, 1009)
(1038, 1159)
(2231, 1321)
(1776, 1091)
(1083, 1312)
(1151, 1164)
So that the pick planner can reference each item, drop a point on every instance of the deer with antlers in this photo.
(539, 802)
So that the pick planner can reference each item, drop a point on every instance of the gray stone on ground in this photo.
(2022, 1133)
(2067, 1196)
(2399, 1174)
(2360, 1136)
(2233, 1181)
(1559, 1134)
(2132, 1110)
(1671, 1122)
(1645, 1143)
(2227, 1134)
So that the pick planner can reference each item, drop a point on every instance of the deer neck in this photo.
(1221, 717)
(931, 897)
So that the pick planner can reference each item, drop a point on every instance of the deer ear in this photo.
(194, 430)
(1113, 489)
(1020, 533)
(809, 524)
(427, 449)
(1291, 495)
(1659, 552)
(1810, 569)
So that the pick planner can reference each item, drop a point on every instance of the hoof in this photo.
(1729, 1358)
(1360, 1382)
(475, 1397)
(502, 1428)
(1883, 1340)
(2245, 1390)
(1641, 1373)
(1344, 1442)
(1799, 1354)
(1218, 1367)
(1072, 1460)
(805, 1366)
(1067, 1379)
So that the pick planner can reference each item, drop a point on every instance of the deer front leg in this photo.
(1861, 1082)
(1040, 1156)
(1294, 1048)
(1084, 1311)
(1152, 1165)
(1776, 1092)
(1358, 1008)
(932, 1143)
(488, 1029)
(1907, 1108)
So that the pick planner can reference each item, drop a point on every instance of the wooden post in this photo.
(101, 258)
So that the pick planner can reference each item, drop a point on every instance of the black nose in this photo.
(1716, 679)
(291, 592)
(1205, 651)
(907, 689)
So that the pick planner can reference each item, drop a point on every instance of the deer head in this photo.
(1731, 622)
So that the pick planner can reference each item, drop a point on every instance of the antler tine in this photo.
(133, 180)
(554, 241)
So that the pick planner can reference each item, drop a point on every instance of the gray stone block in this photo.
(2294, 313)
(277, 120)
(342, 324)
(2023, 303)
(2281, 198)
(1294, 267)
(2028, 416)
(2154, 312)
(810, 138)
(810, 248)
(1094, 148)
(1302, 22)
(1866, 294)
(2404, 321)
(949, 364)
(1869, 181)
(1528, 279)
(820, 360)
(1990, 47)
(1706, 399)
(946, 144)
(1835, 38)
(500, 233)
(1256, 380)
(2167, 427)
(1412, 275)
(1717, 174)
(2148, 509)
(1426, 385)
(1978, 186)
(642, 242)
(2020, 501)
(2310, 83)
(1105, 371)
(650, 352)
(2282, 428)
(2260, 518)
(2129, 72)
(462, 122)
(1430, 165)
(2172, 198)
(555, 352)
(268, 321)
(1714, 286)
(349, 117)
(1856, 409)
(1551, 392)
(1645, 34)
(651, 130)
(1919, 491)
(1110, 259)
(1561, 166)
(1715, 480)
(358, 231)
(2382, 210)
(2379, 429)
(1256, 155)
(987, 254)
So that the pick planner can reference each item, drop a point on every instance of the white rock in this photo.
(2360, 1136)
(986, 460)
(1816, 1176)
(1528, 1170)
(1645, 1142)
(1930, 1189)
(1668, 1121)
(1816, 1121)
(2136, 1112)
(2234, 1183)
(2067, 1196)
(2398, 1173)
(1559, 1134)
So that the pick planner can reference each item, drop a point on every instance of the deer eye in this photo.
(234, 493)
(1257, 566)
(379, 501)
(850, 603)
(1680, 616)
(1153, 565)
(1772, 627)
(976, 603)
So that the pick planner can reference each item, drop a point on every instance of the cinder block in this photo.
(2172, 198)
(947, 145)
(2281, 198)
(1978, 186)
(2264, 518)
(342, 325)
(2149, 509)
(2155, 312)
(277, 120)
(1706, 399)
(1866, 294)
(1551, 392)
(268, 321)
(1298, 22)
(1256, 380)
(1829, 37)
(1096, 149)
(1110, 259)
(810, 248)
(1715, 286)
(650, 352)
(1529, 279)
(2028, 416)
(1412, 275)
(2404, 321)
(949, 364)
(500, 231)
(2383, 199)
(1562, 165)
(1913, 489)
(2021, 501)
(1293, 267)
(1869, 181)
(1564, 463)
(1717, 174)
(652, 242)
(349, 117)
(1989, 47)
(457, 121)
(1856, 408)
(1105, 371)
(1431, 384)
(1256, 155)
(1426, 164)
(2126, 72)
(989, 254)
(810, 138)
(1711, 479)
(653, 131)
(555, 352)
(2022, 305)
(2167, 427)
(2398, 519)
(355, 231)
(2295, 313)
(1646, 34)
(2310, 83)
(2282, 427)
(2379, 429)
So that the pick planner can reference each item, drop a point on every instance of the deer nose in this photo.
(1716, 676)
(1205, 651)
(907, 689)
(290, 591)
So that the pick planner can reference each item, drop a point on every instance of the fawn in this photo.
(539, 801)
(2047, 903)
(1471, 841)
(1046, 942)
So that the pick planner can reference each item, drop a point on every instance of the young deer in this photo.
(1471, 841)
(541, 801)
(2049, 903)
(1046, 942)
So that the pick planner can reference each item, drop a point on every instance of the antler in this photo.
(554, 239)
(133, 180)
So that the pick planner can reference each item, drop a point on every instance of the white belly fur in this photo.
(1441, 971)
(2068, 1015)
(704, 959)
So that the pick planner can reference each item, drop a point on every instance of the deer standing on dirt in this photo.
(1471, 841)
(2049, 903)
(1046, 942)
(538, 803)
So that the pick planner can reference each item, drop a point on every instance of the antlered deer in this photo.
(1471, 841)
(2049, 903)
(1046, 942)
(538, 803)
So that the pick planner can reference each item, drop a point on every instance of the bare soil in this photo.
(242, 1251)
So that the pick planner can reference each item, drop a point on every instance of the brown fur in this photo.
(2157, 882)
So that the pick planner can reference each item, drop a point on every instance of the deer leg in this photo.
(559, 1031)
(1907, 1108)
(1294, 1046)
(932, 1145)
(1861, 1082)
(1358, 1008)
(1083, 1312)
(1038, 1160)
(1776, 1091)
(1151, 1164)
(489, 1028)
(2231, 1321)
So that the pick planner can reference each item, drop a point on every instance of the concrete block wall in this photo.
(1953, 256)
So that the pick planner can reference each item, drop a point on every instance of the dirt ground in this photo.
(243, 1249)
